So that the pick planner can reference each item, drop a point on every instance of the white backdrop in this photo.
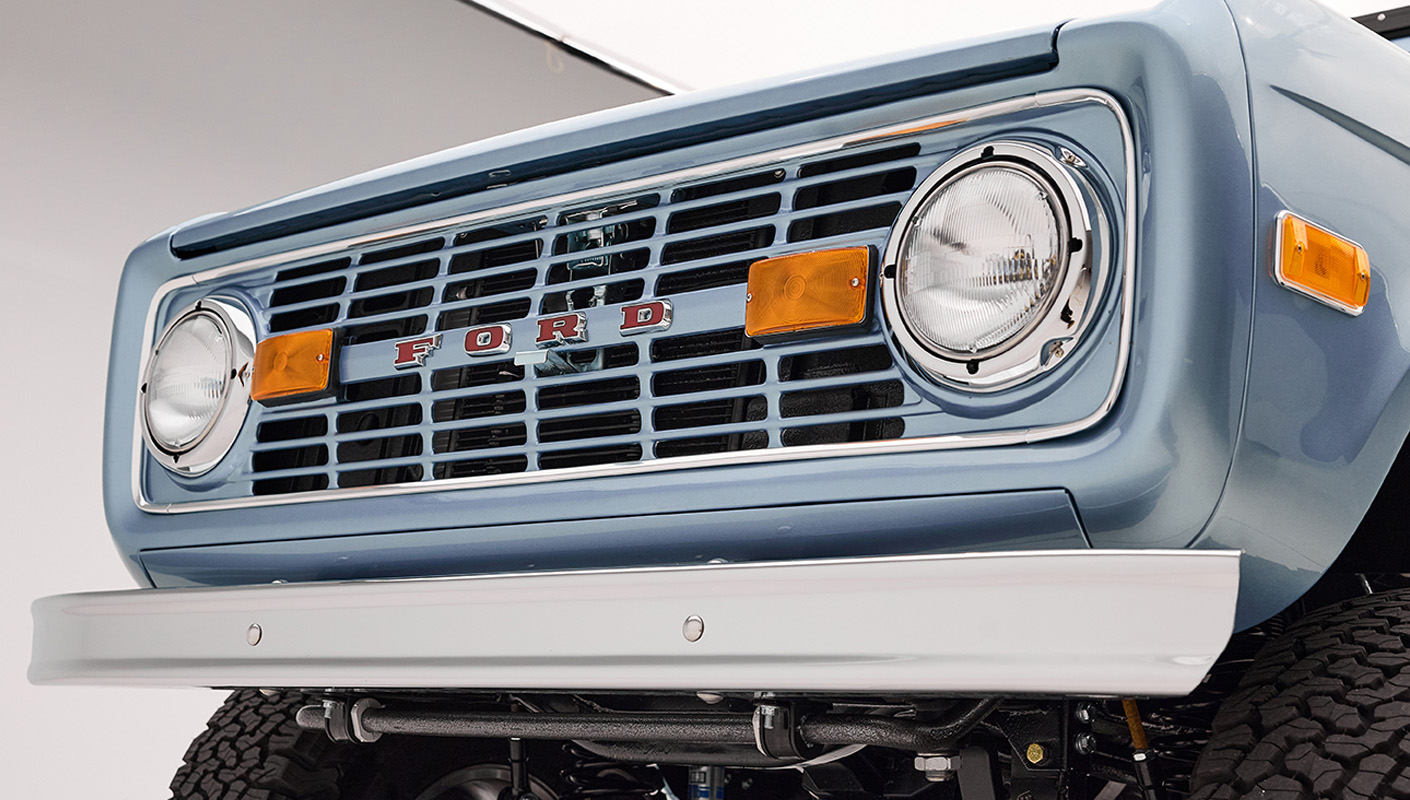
(118, 120)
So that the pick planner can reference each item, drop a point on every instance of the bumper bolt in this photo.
(937, 768)
(1085, 743)
(253, 634)
(1036, 754)
(693, 628)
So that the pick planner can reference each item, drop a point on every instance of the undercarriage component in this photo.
(341, 719)
(685, 754)
(1143, 759)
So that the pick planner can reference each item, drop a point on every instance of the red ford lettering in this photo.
(488, 340)
(643, 317)
(413, 352)
(562, 329)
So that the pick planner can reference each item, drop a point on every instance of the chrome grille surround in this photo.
(775, 425)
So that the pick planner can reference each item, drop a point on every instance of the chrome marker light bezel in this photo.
(219, 435)
(1050, 337)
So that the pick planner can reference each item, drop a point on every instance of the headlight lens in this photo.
(187, 381)
(980, 259)
(988, 280)
(195, 391)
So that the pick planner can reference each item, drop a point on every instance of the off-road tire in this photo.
(252, 749)
(1323, 712)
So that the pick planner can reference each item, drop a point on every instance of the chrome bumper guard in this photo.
(1083, 622)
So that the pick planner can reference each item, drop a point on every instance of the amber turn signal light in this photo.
(806, 291)
(291, 366)
(1322, 265)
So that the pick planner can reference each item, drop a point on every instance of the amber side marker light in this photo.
(292, 367)
(807, 291)
(1322, 265)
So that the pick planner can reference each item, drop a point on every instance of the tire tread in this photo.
(1324, 712)
(252, 749)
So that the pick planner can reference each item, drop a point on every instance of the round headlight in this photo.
(195, 393)
(987, 265)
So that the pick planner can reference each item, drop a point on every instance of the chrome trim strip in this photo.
(946, 442)
(898, 624)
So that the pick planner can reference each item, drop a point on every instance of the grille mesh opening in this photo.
(609, 294)
(488, 286)
(604, 236)
(718, 245)
(297, 483)
(843, 222)
(872, 430)
(827, 194)
(480, 406)
(567, 395)
(383, 330)
(395, 276)
(727, 186)
(598, 266)
(482, 438)
(694, 280)
(859, 160)
(303, 318)
(474, 375)
(483, 315)
(589, 456)
(708, 378)
(832, 363)
(693, 345)
(410, 473)
(313, 269)
(475, 467)
(402, 251)
(314, 290)
(290, 458)
(724, 213)
(382, 388)
(283, 430)
(502, 256)
(500, 231)
(381, 448)
(706, 445)
(590, 426)
(841, 399)
(374, 419)
(710, 412)
(390, 303)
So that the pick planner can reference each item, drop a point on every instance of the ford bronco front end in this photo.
(883, 433)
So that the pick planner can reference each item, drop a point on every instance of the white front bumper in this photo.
(1086, 622)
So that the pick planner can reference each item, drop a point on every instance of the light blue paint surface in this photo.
(1250, 417)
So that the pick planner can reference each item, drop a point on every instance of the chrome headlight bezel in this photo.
(213, 443)
(1049, 337)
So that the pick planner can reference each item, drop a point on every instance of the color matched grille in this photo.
(699, 388)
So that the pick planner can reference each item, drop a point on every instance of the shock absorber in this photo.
(591, 777)
(707, 783)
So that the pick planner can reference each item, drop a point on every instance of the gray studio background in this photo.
(117, 121)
